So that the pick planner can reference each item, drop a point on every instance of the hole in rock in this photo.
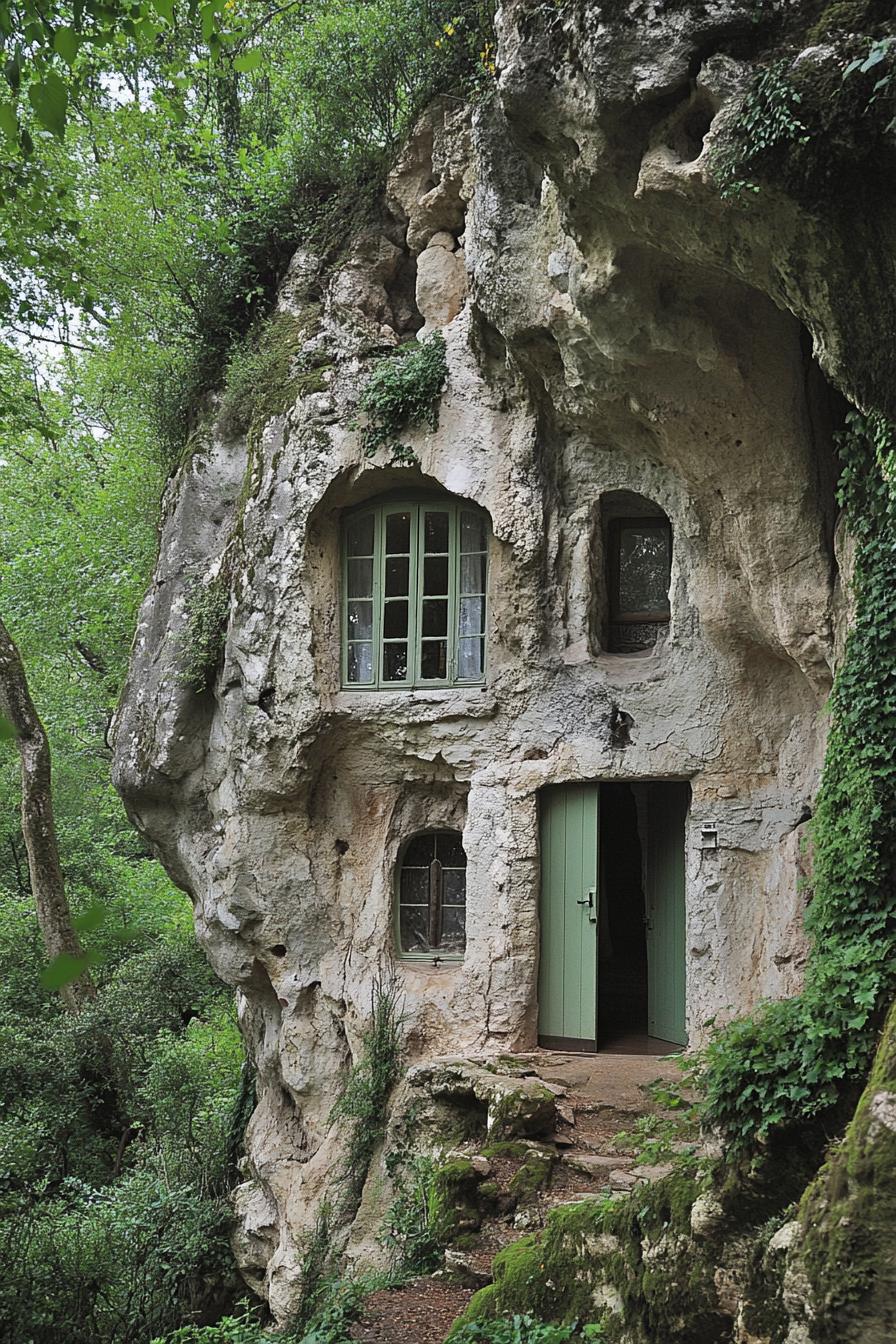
(278, 950)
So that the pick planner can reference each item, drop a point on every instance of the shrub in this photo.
(403, 391)
(409, 1228)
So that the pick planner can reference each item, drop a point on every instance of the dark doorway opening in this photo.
(623, 970)
(622, 938)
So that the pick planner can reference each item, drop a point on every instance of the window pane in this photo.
(435, 616)
(470, 658)
(360, 620)
(413, 926)
(454, 938)
(435, 574)
(472, 532)
(472, 573)
(415, 884)
(420, 853)
(454, 886)
(397, 573)
(644, 563)
(395, 620)
(359, 535)
(434, 660)
(360, 578)
(471, 618)
(395, 662)
(360, 664)
(435, 532)
(398, 533)
(450, 850)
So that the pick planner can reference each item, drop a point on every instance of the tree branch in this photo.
(38, 824)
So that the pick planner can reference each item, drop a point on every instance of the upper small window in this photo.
(639, 564)
(414, 585)
(432, 896)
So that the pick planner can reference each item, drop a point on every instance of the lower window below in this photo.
(432, 896)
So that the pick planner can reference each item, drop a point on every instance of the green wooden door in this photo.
(667, 806)
(567, 978)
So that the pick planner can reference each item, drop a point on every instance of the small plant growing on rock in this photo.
(366, 1092)
(202, 640)
(409, 1227)
(768, 118)
(403, 391)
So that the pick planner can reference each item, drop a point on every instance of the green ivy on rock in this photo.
(790, 1060)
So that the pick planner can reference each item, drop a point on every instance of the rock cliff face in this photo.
(612, 325)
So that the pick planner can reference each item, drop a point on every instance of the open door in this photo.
(667, 806)
(567, 978)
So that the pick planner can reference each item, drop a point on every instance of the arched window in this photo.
(432, 896)
(414, 585)
(638, 550)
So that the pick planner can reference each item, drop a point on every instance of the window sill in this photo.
(475, 702)
(425, 963)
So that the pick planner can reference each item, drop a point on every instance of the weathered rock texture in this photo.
(611, 325)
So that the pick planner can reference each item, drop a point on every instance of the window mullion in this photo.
(415, 590)
(378, 565)
(453, 584)
(435, 904)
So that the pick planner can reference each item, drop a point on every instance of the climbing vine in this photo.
(788, 1061)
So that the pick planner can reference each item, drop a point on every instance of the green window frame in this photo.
(431, 897)
(414, 584)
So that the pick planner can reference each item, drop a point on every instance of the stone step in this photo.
(595, 1164)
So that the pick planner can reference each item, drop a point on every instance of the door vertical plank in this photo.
(568, 965)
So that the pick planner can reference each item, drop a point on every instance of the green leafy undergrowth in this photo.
(403, 391)
(115, 1140)
(790, 1060)
(410, 1228)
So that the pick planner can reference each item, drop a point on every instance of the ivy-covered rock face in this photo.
(658, 304)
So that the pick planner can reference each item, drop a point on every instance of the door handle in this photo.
(589, 901)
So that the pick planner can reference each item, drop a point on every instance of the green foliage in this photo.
(409, 1228)
(790, 1060)
(114, 1139)
(402, 392)
(768, 118)
(242, 1329)
(515, 1329)
(202, 641)
(362, 1104)
(341, 1302)
(263, 376)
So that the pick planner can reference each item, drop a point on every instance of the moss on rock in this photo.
(847, 1216)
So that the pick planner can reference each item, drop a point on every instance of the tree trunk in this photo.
(38, 826)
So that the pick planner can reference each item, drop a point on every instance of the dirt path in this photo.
(597, 1097)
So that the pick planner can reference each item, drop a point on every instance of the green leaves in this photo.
(403, 392)
(49, 98)
(7, 732)
(247, 61)
(66, 42)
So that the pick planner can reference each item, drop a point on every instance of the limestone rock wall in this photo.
(610, 325)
